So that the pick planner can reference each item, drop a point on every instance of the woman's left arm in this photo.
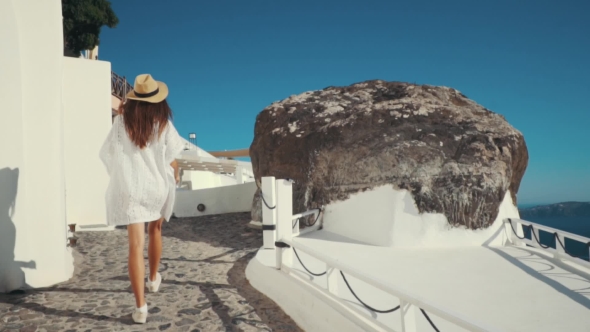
(174, 165)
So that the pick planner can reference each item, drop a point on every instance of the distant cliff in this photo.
(565, 209)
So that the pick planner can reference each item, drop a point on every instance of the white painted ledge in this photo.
(311, 309)
(94, 228)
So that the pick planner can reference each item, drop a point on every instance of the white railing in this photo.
(244, 173)
(279, 233)
(517, 238)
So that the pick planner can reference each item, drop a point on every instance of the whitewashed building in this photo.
(56, 112)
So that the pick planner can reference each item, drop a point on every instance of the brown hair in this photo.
(142, 118)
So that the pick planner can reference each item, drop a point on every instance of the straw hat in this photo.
(147, 89)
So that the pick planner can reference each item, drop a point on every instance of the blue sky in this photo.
(224, 61)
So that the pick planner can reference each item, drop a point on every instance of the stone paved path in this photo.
(204, 286)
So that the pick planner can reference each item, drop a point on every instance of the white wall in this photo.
(205, 179)
(385, 216)
(87, 108)
(227, 199)
(310, 309)
(195, 150)
(12, 156)
(32, 201)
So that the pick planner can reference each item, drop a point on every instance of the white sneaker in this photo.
(153, 286)
(140, 314)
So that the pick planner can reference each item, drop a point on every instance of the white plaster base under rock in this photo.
(388, 217)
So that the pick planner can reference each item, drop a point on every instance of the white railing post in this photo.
(535, 236)
(239, 174)
(408, 314)
(295, 230)
(269, 216)
(284, 189)
(333, 274)
(559, 251)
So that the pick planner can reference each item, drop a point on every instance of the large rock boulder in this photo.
(454, 156)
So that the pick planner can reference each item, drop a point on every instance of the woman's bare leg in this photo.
(155, 246)
(136, 233)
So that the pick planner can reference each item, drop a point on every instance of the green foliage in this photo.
(82, 20)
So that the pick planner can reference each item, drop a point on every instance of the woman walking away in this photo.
(139, 154)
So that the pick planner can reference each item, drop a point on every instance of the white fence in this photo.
(216, 200)
(280, 233)
(518, 238)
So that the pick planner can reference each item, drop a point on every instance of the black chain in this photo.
(557, 239)
(316, 218)
(306, 269)
(536, 239)
(363, 303)
(265, 203)
(262, 197)
(514, 231)
(429, 320)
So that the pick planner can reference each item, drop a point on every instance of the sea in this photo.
(576, 225)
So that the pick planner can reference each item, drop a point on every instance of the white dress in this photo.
(142, 186)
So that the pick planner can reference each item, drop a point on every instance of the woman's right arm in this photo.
(108, 147)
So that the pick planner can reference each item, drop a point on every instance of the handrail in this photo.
(310, 228)
(446, 314)
(232, 153)
(550, 230)
(305, 214)
(559, 251)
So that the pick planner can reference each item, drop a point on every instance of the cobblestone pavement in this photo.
(204, 287)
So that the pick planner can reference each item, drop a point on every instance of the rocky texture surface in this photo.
(455, 156)
(565, 209)
(204, 287)
(256, 212)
